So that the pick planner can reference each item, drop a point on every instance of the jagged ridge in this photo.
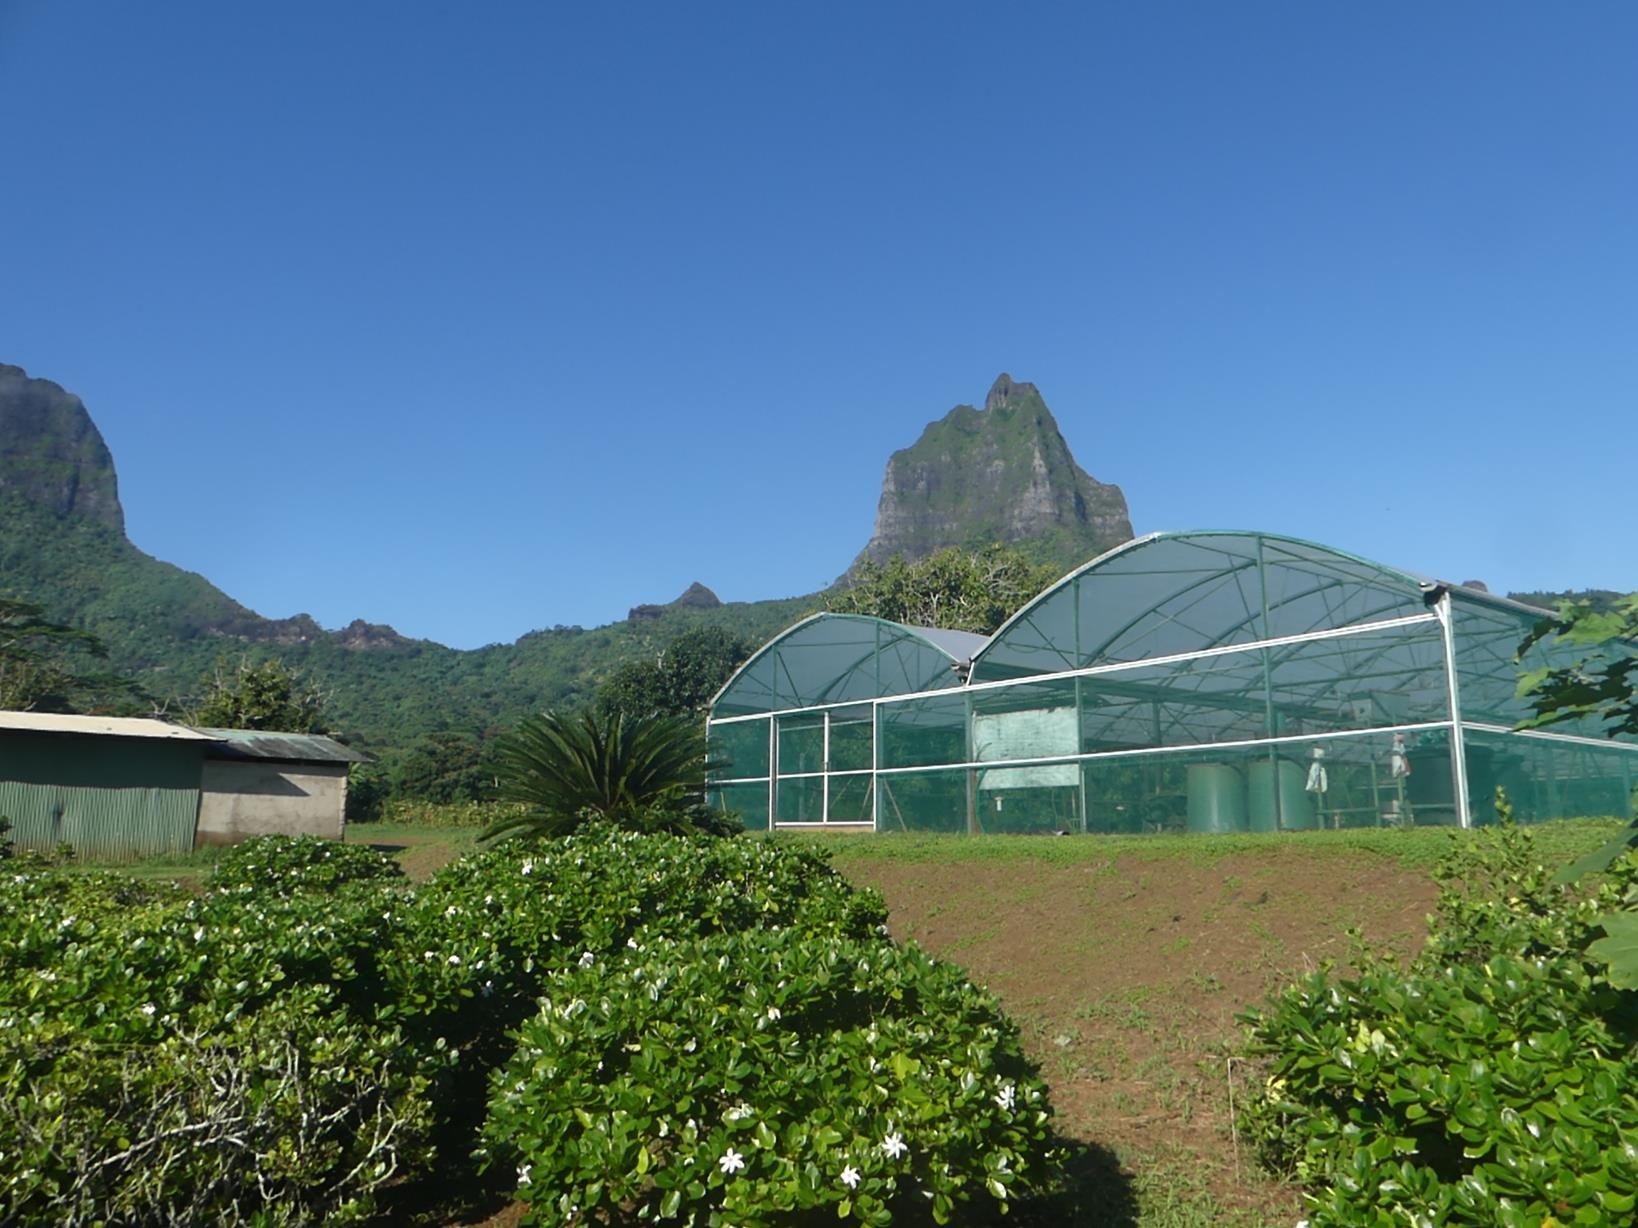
(1000, 474)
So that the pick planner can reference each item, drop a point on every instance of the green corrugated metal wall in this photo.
(107, 796)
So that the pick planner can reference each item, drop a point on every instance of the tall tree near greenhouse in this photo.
(958, 590)
(680, 680)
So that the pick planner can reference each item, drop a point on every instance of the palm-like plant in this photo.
(646, 773)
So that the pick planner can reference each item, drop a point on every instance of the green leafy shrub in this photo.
(165, 1059)
(298, 863)
(283, 1117)
(478, 941)
(449, 814)
(313, 1035)
(769, 1076)
(1487, 1083)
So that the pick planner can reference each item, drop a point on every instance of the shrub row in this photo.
(635, 1026)
(1489, 1082)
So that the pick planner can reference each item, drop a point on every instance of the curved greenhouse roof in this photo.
(841, 658)
(1173, 593)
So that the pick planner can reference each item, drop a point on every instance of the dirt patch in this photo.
(1125, 976)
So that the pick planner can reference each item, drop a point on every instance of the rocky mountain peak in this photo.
(1003, 474)
(51, 453)
(695, 597)
(1005, 391)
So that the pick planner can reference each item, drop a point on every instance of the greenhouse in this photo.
(1202, 682)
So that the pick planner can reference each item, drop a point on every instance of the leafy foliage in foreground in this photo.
(303, 863)
(1488, 1083)
(170, 1060)
(1604, 683)
(315, 1040)
(767, 1077)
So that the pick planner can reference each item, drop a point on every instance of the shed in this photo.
(257, 783)
(110, 786)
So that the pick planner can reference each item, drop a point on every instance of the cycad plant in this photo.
(643, 773)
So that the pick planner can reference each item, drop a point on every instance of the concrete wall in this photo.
(241, 798)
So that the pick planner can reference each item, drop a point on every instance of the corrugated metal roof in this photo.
(101, 726)
(265, 744)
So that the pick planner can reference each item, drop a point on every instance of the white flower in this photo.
(773, 1013)
(455, 961)
(528, 866)
(523, 1173)
(850, 1177)
(731, 1161)
(1006, 1097)
(587, 960)
(894, 1146)
(148, 1009)
(739, 1112)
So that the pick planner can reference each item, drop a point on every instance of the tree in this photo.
(680, 680)
(259, 695)
(959, 590)
(1602, 683)
(643, 773)
(44, 665)
(452, 766)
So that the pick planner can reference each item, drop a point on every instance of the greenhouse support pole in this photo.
(973, 828)
(1458, 747)
(773, 768)
(1268, 695)
(824, 762)
(875, 765)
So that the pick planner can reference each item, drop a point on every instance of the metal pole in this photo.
(824, 764)
(972, 772)
(1458, 748)
(875, 766)
(1277, 792)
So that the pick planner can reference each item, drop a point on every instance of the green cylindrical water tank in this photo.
(1296, 804)
(1217, 798)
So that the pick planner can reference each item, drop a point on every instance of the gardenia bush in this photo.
(1490, 1082)
(766, 1077)
(313, 1035)
(168, 1060)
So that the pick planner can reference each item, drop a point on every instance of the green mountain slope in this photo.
(166, 627)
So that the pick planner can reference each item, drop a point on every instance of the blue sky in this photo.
(476, 319)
